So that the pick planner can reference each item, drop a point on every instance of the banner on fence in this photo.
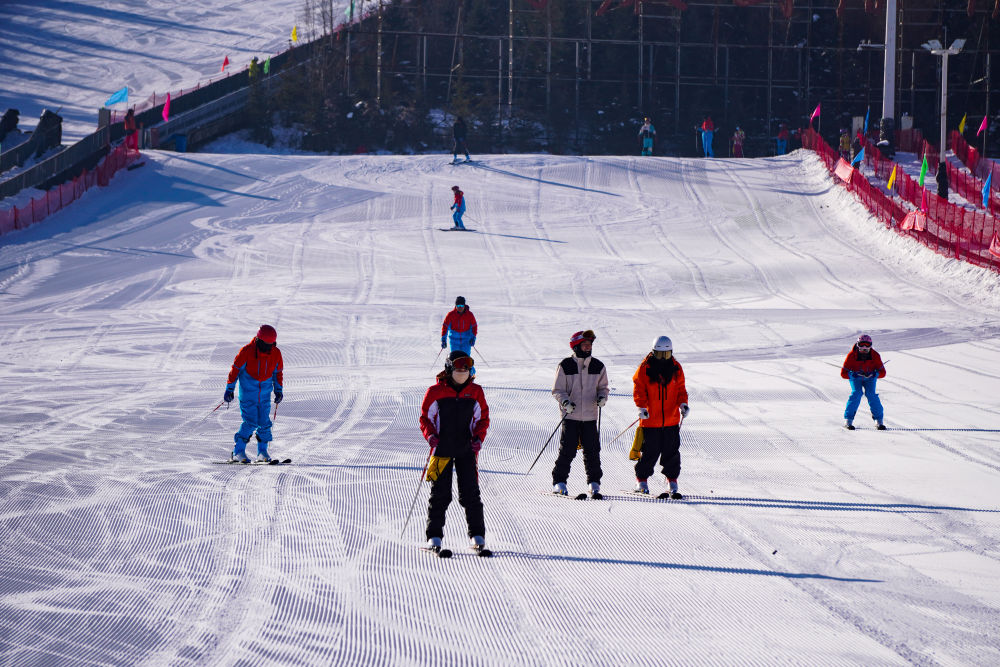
(844, 170)
(914, 220)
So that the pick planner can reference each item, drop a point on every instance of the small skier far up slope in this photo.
(458, 207)
(454, 418)
(581, 389)
(461, 133)
(258, 367)
(647, 133)
(863, 367)
(661, 396)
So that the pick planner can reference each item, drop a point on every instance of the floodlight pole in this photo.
(887, 125)
(935, 47)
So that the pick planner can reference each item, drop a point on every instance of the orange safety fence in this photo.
(63, 195)
(949, 230)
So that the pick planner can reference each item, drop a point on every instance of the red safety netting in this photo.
(980, 166)
(949, 230)
(63, 195)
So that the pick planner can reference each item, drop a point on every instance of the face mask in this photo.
(264, 347)
(460, 377)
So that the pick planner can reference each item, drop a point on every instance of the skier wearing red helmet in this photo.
(581, 389)
(258, 368)
(863, 367)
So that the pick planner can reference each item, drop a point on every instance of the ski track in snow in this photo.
(797, 542)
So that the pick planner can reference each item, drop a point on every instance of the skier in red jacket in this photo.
(258, 367)
(863, 366)
(454, 418)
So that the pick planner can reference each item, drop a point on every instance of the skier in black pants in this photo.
(581, 388)
(461, 134)
(454, 418)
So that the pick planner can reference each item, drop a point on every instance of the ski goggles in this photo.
(462, 364)
(864, 346)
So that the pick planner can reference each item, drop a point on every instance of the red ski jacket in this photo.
(864, 364)
(460, 322)
(455, 415)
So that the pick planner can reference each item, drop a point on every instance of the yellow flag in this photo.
(892, 177)
(961, 125)
(295, 33)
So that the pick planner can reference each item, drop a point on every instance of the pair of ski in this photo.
(441, 552)
(272, 462)
(666, 495)
(579, 496)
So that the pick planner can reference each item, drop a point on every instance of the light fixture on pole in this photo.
(935, 47)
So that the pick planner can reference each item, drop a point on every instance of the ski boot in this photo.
(674, 493)
(849, 424)
(879, 425)
(559, 488)
(262, 455)
(641, 487)
(595, 491)
(478, 544)
(239, 453)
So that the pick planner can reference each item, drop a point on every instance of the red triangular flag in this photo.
(224, 63)
(995, 245)
(166, 109)
(982, 126)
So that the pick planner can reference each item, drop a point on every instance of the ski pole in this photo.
(275, 412)
(480, 355)
(623, 432)
(598, 426)
(419, 484)
(210, 412)
(546, 444)
(437, 357)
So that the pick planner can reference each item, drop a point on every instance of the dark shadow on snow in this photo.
(683, 566)
(479, 165)
(826, 506)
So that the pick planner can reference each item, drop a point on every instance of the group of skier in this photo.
(455, 416)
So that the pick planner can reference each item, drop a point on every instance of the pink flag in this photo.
(166, 109)
(923, 201)
(815, 113)
(224, 63)
(995, 245)
(982, 127)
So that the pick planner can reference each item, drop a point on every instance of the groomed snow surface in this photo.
(799, 543)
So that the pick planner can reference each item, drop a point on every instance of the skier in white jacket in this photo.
(581, 389)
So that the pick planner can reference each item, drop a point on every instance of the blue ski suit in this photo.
(259, 373)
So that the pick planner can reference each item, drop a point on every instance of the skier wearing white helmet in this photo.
(661, 396)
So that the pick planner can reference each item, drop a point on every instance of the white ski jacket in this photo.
(582, 381)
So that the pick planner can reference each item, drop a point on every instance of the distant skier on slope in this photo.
(458, 207)
(454, 418)
(661, 396)
(581, 389)
(707, 130)
(460, 133)
(863, 367)
(739, 138)
(647, 133)
(258, 367)
(781, 142)
(459, 328)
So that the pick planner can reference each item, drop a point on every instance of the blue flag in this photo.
(119, 96)
(986, 191)
(859, 157)
(866, 120)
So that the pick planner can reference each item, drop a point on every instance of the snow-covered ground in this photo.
(122, 542)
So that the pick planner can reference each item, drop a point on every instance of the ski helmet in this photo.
(865, 338)
(460, 301)
(454, 188)
(267, 334)
(458, 360)
(581, 336)
(663, 344)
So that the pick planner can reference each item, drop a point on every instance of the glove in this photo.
(443, 343)
(602, 401)
(476, 445)
(472, 343)
(228, 396)
(453, 207)
(643, 413)
(278, 396)
(684, 409)
(568, 406)
(433, 441)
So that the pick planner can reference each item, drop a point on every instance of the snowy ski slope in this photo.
(799, 542)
